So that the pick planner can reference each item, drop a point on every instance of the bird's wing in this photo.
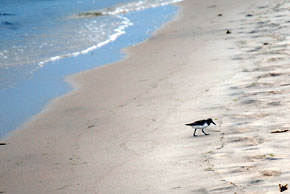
(201, 122)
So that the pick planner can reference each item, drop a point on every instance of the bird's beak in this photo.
(213, 123)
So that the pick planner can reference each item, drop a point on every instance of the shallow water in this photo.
(35, 32)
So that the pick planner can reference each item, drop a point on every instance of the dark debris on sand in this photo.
(280, 131)
(283, 187)
(228, 32)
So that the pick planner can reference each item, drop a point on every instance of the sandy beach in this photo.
(122, 130)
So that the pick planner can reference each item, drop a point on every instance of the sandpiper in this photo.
(201, 124)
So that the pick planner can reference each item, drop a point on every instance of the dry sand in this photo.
(122, 130)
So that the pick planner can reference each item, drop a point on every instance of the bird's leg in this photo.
(204, 132)
(194, 132)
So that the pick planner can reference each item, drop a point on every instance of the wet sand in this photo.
(122, 130)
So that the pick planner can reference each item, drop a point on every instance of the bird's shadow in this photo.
(197, 136)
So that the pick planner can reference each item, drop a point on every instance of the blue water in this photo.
(26, 86)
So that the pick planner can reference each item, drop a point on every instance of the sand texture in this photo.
(122, 130)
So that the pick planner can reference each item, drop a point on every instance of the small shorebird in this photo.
(202, 124)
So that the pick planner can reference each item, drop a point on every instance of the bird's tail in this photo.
(188, 124)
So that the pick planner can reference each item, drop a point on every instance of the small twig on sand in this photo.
(280, 131)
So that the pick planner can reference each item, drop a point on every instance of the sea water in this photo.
(42, 41)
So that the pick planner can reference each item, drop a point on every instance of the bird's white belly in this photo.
(201, 126)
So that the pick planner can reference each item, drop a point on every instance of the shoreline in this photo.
(122, 130)
(34, 94)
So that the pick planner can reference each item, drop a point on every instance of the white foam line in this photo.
(118, 32)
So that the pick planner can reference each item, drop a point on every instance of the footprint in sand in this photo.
(271, 173)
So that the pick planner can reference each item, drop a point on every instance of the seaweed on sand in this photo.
(90, 14)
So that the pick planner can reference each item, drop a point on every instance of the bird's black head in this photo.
(209, 120)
